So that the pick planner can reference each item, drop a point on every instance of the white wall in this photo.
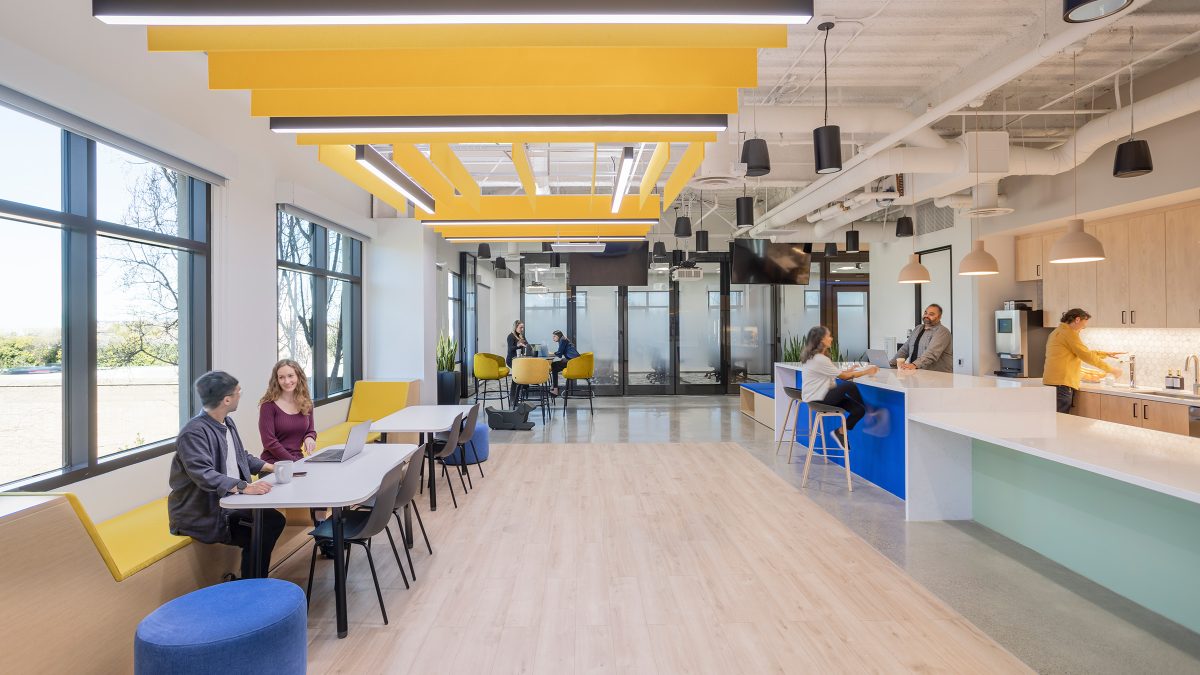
(402, 302)
(105, 75)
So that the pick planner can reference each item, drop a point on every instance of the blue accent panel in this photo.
(876, 444)
(764, 388)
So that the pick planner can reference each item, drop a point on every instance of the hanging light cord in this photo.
(825, 70)
(1074, 135)
(1131, 83)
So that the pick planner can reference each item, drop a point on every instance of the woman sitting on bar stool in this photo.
(820, 379)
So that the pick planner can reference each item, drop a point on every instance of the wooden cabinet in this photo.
(1147, 276)
(1182, 228)
(1054, 286)
(1169, 417)
(1087, 404)
(1030, 258)
(1121, 409)
(1112, 275)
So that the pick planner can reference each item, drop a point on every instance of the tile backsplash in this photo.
(1156, 349)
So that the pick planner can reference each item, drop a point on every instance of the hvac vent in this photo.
(714, 182)
(931, 218)
(989, 211)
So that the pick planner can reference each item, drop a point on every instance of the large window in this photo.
(320, 301)
(104, 258)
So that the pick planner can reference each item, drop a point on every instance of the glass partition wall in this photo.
(704, 336)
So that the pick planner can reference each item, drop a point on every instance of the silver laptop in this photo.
(878, 357)
(341, 453)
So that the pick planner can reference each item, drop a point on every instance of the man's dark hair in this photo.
(941, 312)
(1074, 313)
(213, 386)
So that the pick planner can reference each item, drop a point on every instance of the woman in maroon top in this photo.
(285, 419)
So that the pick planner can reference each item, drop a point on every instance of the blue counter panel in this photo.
(876, 444)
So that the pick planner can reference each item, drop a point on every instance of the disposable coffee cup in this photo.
(900, 362)
(283, 472)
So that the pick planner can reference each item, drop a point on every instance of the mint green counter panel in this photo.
(1141, 544)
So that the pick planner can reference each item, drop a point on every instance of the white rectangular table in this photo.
(327, 484)
(425, 420)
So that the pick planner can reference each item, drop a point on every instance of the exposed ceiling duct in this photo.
(801, 120)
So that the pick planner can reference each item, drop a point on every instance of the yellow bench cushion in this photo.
(139, 538)
(375, 400)
(339, 433)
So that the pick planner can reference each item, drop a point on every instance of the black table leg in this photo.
(256, 544)
(339, 572)
(427, 441)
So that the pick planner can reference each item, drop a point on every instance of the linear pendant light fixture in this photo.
(1082, 11)
(410, 12)
(827, 140)
(624, 174)
(383, 169)
(474, 239)
(1133, 156)
(498, 124)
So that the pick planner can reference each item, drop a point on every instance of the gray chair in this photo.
(406, 496)
(468, 432)
(358, 529)
(441, 449)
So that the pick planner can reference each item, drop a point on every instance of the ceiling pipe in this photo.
(868, 233)
(980, 86)
(860, 199)
(852, 120)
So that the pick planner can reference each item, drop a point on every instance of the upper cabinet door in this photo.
(1147, 273)
(1183, 267)
(1029, 258)
(1055, 294)
(1112, 275)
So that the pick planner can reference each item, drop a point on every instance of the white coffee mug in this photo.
(283, 472)
(900, 362)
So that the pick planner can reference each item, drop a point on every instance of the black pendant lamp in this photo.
(660, 249)
(755, 157)
(1082, 11)
(807, 248)
(555, 260)
(744, 206)
(701, 240)
(852, 241)
(547, 247)
(830, 249)
(484, 252)
(1133, 156)
(904, 226)
(827, 140)
(499, 265)
(683, 226)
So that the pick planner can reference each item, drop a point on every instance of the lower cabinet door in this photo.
(1087, 404)
(1169, 417)
(1122, 410)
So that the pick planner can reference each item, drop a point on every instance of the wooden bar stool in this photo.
(821, 412)
(793, 413)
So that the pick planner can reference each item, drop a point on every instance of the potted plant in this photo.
(447, 377)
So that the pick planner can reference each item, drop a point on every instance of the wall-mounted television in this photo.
(758, 261)
(621, 264)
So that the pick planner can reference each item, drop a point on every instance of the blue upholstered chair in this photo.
(258, 625)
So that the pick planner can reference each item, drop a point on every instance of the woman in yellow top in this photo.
(1066, 354)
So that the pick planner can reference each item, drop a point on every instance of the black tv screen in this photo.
(758, 261)
(621, 264)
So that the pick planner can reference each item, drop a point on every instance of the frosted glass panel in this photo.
(700, 328)
(545, 312)
(801, 306)
(649, 336)
(750, 332)
(852, 325)
(596, 327)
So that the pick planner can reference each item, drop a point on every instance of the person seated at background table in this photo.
(929, 346)
(565, 352)
(517, 346)
(210, 462)
(820, 377)
(1065, 355)
(285, 415)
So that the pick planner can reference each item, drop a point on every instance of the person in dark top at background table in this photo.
(517, 346)
(565, 352)
(210, 462)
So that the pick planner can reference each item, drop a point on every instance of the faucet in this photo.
(1195, 361)
(1133, 371)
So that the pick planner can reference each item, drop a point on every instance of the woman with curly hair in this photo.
(285, 414)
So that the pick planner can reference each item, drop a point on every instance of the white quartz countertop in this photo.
(1155, 460)
(905, 380)
(1140, 392)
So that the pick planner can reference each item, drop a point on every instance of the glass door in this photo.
(701, 357)
(851, 305)
(597, 330)
(751, 333)
(647, 338)
(800, 308)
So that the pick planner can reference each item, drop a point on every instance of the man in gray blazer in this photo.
(210, 462)
(929, 346)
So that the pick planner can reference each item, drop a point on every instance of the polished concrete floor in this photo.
(1051, 618)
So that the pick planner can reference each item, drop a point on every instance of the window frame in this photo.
(318, 270)
(80, 230)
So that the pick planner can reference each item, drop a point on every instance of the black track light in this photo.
(744, 206)
(484, 253)
(831, 249)
(1082, 11)
(852, 241)
(755, 157)
(904, 226)
(701, 240)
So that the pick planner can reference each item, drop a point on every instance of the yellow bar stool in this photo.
(581, 367)
(489, 368)
(532, 375)
(816, 428)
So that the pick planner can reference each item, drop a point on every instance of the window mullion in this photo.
(319, 330)
(79, 306)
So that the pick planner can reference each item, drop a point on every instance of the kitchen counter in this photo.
(1150, 394)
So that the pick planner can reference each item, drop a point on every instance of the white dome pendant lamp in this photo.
(914, 272)
(977, 263)
(1076, 246)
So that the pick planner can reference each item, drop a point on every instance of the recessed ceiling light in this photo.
(498, 124)
(383, 169)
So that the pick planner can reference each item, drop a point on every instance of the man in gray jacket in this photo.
(929, 346)
(210, 463)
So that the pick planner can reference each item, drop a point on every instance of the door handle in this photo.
(1135, 411)
(1039, 270)
(1132, 316)
(1122, 317)
(1146, 411)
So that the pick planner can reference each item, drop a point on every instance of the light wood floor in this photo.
(639, 558)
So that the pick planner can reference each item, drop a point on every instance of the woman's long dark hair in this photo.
(516, 323)
(812, 343)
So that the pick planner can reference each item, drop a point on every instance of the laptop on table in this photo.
(878, 357)
(341, 453)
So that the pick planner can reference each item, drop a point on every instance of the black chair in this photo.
(441, 449)
(406, 496)
(468, 432)
(358, 528)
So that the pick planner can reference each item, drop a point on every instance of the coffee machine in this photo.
(1020, 341)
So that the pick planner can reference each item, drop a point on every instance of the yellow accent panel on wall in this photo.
(272, 38)
(688, 164)
(520, 100)
(654, 169)
(340, 158)
(418, 167)
(538, 66)
(450, 165)
(514, 207)
(376, 138)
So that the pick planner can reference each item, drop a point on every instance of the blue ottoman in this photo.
(253, 625)
(480, 441)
